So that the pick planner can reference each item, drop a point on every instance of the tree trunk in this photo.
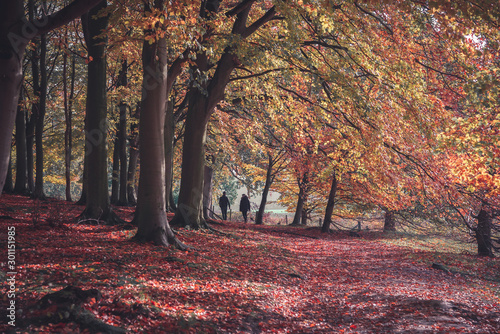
(389, 221)
(304, 217)
(133, 157)
(122, 139)
(300, 200)
(327, 220)
(11, 76)
(171, 201)
(40, 119)
(262, 207)
(115, 173)
(35, 105)
(483, 233)
(97, 201)
(21, 186)
(189, 206)
(169, 154)
(150, 215)
(207, 191)
(9, 185)
(30, 155)
(68, 138)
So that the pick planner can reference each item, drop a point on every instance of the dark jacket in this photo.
(244, 204)
(224, 201)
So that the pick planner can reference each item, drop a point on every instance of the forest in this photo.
(376, 123)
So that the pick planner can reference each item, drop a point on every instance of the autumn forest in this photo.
(365, 133)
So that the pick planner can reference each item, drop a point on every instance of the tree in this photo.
(150, 216)
(203, 98)
(97, 200)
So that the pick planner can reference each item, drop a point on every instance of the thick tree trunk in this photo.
(151, 216)
(304, 217)
(189, 206)
(40, 119)
(262, 207)
(11, 75)
(97, 199)
(483, 233)
(389, 221)
(207, 191)
(133, 157)
(327, 220)
(9, 185)
(21, 185)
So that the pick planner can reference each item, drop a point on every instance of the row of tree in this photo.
(342, 107)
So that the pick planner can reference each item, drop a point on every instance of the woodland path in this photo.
(254, 279)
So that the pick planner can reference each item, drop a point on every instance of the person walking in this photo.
(244, 206)
(224, 204)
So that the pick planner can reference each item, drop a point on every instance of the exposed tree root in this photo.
(66, 306)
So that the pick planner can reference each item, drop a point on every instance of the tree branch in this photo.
(65, 15)
(257, 74)
(268, 16)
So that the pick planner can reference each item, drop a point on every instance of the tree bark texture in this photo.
(169, 153)
(207, 191)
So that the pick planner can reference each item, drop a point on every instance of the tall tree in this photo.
(203, 98)
(150, 215)
(68, 106)
(97, 202)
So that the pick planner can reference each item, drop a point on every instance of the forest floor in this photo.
(252, 279)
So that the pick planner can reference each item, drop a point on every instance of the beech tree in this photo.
(203, 97)
(151, 216)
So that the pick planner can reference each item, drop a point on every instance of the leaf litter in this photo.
(252, 279)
